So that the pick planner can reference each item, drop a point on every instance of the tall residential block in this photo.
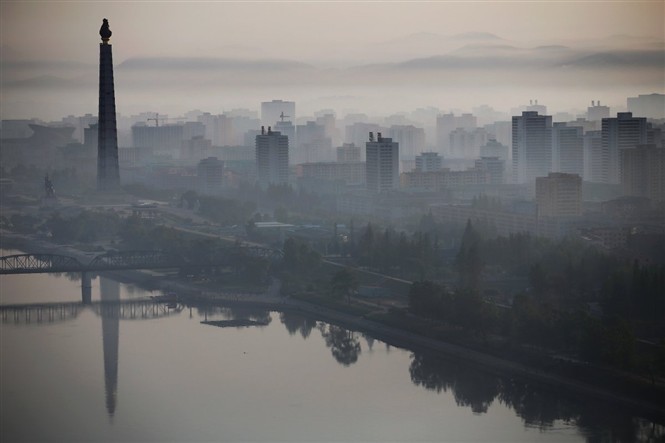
(643, 172)
(593, 158)
(532, 146)
(348, 152)
(446, 123)
(428, 161)
(277, 110)
(312, 144)
(108, 171)
(210, 174)
(567, 149)
(647, 105)
(410, 138)
(495, 149)
(622, 132)
(272, 158)
(596, 112)
(494, 166)
(381, 163)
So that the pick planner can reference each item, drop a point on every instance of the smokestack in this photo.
(269, 130)
(263, 130)
(378, 136)
(592, 103)
(371, 136)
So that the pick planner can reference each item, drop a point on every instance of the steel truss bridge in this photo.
(124, 260)
(140, 309)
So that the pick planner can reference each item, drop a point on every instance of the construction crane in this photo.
(157, 119)
(282, 116)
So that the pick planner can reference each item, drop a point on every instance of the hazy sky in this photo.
(177, 52)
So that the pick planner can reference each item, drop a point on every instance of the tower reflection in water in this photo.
(110, 313)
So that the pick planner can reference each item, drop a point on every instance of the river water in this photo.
(145, 373)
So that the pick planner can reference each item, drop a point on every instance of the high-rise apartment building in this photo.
(535, 107)
(622, 132)
(79, 124)
(532, 146)
(647, 105)
(559, 195)
(329, 122)
(160, 138)
(312, 144)
(567, 149)
(446, 123)
(166, 139)
(272, 158)
(410, 138)
(356, 133)
(218, 129)
(493, 148)
(381, 163)
(643, 172)
(494, 166)
(596, 112)
(286, 127)
(594, 158)
(277, 110)
(348, 153)
(210, 174)
(466, 143)
(428, 161)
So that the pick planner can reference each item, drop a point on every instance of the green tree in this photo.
(469, 263)
(343, 283)
(189, 199)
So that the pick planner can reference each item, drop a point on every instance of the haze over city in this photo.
(369, 57)
(332, 221)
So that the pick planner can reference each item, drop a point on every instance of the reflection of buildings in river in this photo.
(110, 292)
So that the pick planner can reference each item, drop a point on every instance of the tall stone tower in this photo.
(108, 173)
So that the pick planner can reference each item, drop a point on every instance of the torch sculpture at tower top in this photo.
(108, 171)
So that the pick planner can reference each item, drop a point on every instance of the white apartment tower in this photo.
(446, 123)
(410, 139)
(277, 110)
(272, 158)
(596, 112)
(647, 105)
(381, 163)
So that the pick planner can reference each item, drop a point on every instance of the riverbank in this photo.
(405, 339)
(391, 328)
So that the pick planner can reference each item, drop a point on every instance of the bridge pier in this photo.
(86, 288)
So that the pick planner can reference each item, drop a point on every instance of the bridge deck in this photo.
(125, 260)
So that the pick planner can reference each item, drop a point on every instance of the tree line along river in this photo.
(221, 374)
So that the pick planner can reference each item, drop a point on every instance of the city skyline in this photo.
(365, 57)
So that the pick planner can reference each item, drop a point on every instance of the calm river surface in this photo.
(93, 374)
